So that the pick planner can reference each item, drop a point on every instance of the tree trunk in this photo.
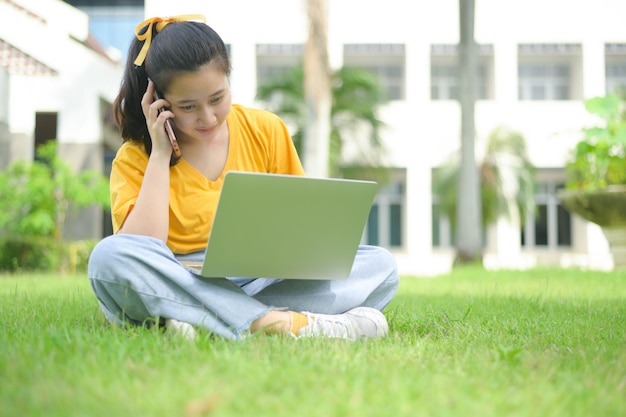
(469, 224)
(317, 92)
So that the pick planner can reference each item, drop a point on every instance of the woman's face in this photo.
(200, 101)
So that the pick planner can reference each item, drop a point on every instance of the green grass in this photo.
(473, 343)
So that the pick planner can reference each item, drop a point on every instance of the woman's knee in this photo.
(382, 259)
(115, 274)
(122, 249)
(105, 245)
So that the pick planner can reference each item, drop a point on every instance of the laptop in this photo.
(286, 226)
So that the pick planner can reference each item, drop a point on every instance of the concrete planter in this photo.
(607, 209)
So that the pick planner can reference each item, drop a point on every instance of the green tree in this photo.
(507, 179)
(35, 197)
(356, 96)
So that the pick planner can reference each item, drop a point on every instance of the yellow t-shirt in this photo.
(259, 142)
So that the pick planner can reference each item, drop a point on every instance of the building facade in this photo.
(538, 61)
(56, 83)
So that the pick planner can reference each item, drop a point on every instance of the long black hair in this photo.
(180, 47)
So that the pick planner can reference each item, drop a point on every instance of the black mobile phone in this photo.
(168, 130)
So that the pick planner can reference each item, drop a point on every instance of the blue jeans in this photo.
(137, 278)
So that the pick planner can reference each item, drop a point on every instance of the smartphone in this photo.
(169, 131)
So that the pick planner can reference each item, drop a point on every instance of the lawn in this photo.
(544, 342)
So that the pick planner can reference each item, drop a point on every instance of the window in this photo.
(112, 22)
(444, 72)
(442, 235)
(615, 67)
(274, 60)
(550, 226)
(385, 226)
(387, 61)
(549, 71)
(444, 82)
(45, 129)
(544, 82)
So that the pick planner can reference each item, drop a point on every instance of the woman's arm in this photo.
(150, 214)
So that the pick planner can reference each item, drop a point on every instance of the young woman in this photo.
(162, 204)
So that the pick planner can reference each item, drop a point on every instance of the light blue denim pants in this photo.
(137, 278)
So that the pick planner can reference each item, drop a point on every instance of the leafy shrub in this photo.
(36, 253)
(35, 198)
(37, 195)
(599, 159)
(28, 253)
(78, 253)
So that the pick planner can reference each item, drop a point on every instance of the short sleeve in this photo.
(127, 174)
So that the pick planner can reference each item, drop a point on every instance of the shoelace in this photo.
(327, 326)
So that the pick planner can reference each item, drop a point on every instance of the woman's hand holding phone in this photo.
(168, 126)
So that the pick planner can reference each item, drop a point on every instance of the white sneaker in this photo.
(358, 323)
(180, 328)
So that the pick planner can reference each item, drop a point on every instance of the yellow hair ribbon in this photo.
(160, 23)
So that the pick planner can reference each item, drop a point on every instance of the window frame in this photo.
(540, 66)
(380, 230)
(615, 67)
(275, 59)
(387, 61)
(546, 195)
(444, 64)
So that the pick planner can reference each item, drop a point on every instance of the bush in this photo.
(37, 196)
(35, 199)
(78, 254)
(599, 159)
(28, 253)
(19, 253)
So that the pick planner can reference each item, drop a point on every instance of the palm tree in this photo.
(507, 182)
(356, 95)
(469, 237)
(317, 91)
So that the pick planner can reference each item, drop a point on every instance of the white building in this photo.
(539, 60)
(55, 83)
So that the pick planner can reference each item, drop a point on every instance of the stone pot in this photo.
(607, 209)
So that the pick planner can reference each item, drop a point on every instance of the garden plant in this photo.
(35, 200)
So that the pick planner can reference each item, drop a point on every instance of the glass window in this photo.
(442, 233)
(112, 22)
(114, 30)
(541, 225)
(444, 72)
(550, 225)
(45, 129)
(443, 82)
(395, 225)
(387, 61)
(615, 76)
(372, 226)
(385, 226)
(544, 82)
(274, 60)
(538, 92)
(564, 227)
(615, 67)
(549, 71)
